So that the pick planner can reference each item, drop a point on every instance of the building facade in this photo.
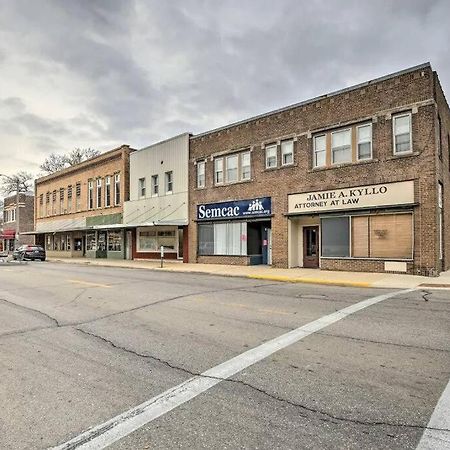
(157, 214)
(79, 210)
(353, 180)
(10, 231)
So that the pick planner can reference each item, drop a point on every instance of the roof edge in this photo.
(314, 99)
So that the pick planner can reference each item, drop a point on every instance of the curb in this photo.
(282, 278)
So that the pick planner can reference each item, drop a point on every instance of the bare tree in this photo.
(54, 162)
(19, 182)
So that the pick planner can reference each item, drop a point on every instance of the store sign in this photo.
(238, 209)
(376, 195)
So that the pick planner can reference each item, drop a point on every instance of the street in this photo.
(81, 345)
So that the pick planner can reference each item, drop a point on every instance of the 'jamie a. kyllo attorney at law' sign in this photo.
(375, 195)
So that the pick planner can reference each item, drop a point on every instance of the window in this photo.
(54, 202)
(117, 189)
(201, 174)
(99, 193)
(245, 166)
(402, 134)
(90, 194)
(78, 196)
(114, 241)
(155, 185)
(218, 171)
(107, 191)
(271, 156)
(141, 188)
(287, 152)
(47, 203)
(320, 151)
(68, 242)
(341, 146)
(232, 168)
(169, 182)
(335, 237)
(151, 240)
(41, 205)
(69, 198)
(91, 242)
(441, 224)
(61, 201)
(364, 140)
(222, 239)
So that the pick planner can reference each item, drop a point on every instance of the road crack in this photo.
(328, 417)
(36, 311)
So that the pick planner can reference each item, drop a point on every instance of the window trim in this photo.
(315, 165)
(241, 165)
(107, 186)
(222, 160)
(341, 130)
(117, 181)
(267, 147)
(283, 164)
(233, 155)
(90, 204)
(394, 117)
(142, 187)
(357, 141)
(98, 193)
(155, 177)
(201, 163)
(166, 176)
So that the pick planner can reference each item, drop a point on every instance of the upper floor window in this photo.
(402, 133)
(69, 198)
(78, 196)
(47, 204)
(232, 168)
(320, 150)
(141, 187)
(54, 202)
(287, 152)
(245, 166)
(271, 156)
(61, 201)
(201, 174)
(99, 193)
(107, 191)
(155, 185)
(364, 141)
(90, 194)
(218, 171)
(341, 146)
(117, 189)
(169, 182)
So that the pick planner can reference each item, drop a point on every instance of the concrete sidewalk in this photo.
(297, 275)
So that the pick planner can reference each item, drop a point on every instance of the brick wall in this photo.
(26, 221)
(413, 91)
(107, 164)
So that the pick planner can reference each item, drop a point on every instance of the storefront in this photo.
(150, 239)
(7, 240)
(364, 227)
(235, 232)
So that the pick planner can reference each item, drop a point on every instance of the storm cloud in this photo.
(102, 73)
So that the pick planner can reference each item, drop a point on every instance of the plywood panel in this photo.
(360, 237)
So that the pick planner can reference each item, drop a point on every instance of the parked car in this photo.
(31, 252)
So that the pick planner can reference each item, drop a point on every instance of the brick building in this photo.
(26, 221)
(79, 210)
(354, 180)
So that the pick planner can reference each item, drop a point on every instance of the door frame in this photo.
(309, 262)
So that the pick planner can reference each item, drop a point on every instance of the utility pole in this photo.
(16, 237)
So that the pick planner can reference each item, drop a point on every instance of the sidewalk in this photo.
(297, 275)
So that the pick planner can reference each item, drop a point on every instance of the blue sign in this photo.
(255, 207)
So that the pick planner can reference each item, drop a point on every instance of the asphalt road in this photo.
(80, 345)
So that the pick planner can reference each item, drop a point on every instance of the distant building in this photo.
(26, 221)
(79, 210)
(157, 214)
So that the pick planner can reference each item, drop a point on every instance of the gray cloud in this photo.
(97, 73)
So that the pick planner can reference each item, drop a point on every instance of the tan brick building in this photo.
(79, 210)
(354, 180)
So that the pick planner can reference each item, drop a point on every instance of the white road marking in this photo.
(124, 424)
(438, 439)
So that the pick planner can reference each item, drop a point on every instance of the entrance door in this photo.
(311, 247)
(101, 248)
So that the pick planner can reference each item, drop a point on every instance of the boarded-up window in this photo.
(391, 236)
(360, 237)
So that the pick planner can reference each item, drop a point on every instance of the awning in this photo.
(8, 234)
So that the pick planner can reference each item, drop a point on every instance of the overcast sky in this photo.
(102, 73)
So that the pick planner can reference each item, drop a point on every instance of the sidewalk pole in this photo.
(162, 256)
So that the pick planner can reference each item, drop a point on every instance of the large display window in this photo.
(228, 238)
(152, 239)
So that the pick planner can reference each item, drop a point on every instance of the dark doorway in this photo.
(311, 247)
(101, 249)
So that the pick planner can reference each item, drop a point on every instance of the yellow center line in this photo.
(88, 283)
